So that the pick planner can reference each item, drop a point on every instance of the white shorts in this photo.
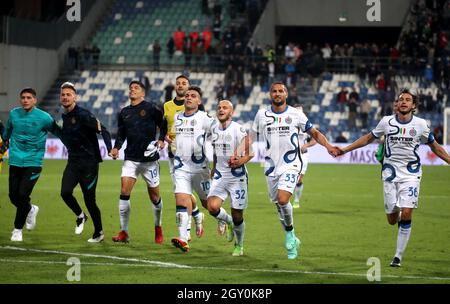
(286, 181)
(186, 182)
(401, 195)
(237, 188)
(305, 160)
(148, 170)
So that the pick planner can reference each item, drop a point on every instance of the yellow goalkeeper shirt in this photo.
(172, 107)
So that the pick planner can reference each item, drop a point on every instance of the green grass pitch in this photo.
(341, 224)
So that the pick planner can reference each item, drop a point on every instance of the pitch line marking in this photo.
(150, 263)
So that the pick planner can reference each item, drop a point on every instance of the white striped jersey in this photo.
(191, 133)
(401, 159)
(280, 133)
(225, 142)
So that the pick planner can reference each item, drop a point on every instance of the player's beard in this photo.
(279, 104)
(405, 112)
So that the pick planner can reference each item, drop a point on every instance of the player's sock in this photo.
(239, 231)
(81, 215)
(223, 216)
(196, 214)
(189, 224)
(280, 216)
(124, 210)
(404, 231)
(157, 211)
(286, 211)
(182, 219)
(298, 192)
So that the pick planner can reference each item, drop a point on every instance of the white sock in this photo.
(286, 211)
(189, 224)
(280, 216)
(182, 218)
(239, 231)
(157, 211)
(404, 231)
(224, 216)
(196, 214)
(81, 215)
(124, 210)
(298, 193)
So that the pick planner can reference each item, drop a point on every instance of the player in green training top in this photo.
(26, 132)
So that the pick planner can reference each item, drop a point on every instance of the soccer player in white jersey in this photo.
(191, 167)
(279, 127)
(229, 176)
(306, 141)
(401, 170)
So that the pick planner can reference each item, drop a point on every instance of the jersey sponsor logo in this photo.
(142, 113)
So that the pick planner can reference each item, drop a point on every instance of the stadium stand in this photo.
(315, 74)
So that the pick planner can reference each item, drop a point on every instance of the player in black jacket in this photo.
(138, 124)
(79, 134)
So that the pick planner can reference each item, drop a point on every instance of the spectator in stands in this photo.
(381, 83)
(230, 76)
(95, 55)
(73, 58)
(342, 99)
(293, 99)
(170, 47)
(217, 27)
(354, 95)
(240, 92)
(187, 50)
(428, 74)
(430, 102)
(341, 138)
(326, 52)
(220, 90)
(207, 38)
(364, 111)
(179, 39)
(352, 112)
(156, 54)
(289, 52)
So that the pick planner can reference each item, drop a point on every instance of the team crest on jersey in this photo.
(73, 121)
(243, 130)
(142, 113)
(228, 137)
(193, 122)
(288, 120)
(413, 132)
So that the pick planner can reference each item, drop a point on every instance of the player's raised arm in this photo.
(322, 140)
(440, 151)
(359, 143)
